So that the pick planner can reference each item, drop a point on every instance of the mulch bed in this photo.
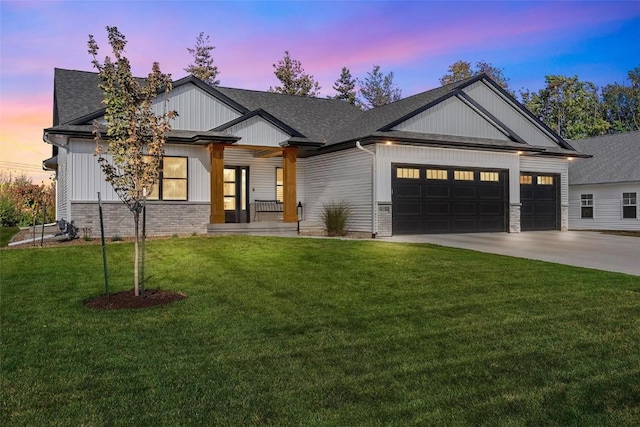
(127, 300)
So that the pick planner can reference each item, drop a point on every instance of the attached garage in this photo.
(443, 199)
(540, 196)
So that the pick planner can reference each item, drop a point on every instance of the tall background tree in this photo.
(378, 89)
(461, 70)
(345, 86)
(202, 66)
(135, 135)
(569, 106)
(22, 202)
(295, 81)
(621, 103)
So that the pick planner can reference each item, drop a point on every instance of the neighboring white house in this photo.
(604, 190)
(465, 157)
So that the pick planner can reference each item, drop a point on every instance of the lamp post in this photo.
(300, 212)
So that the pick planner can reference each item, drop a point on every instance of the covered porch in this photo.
(244, 179)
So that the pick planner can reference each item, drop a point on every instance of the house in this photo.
(461, 158)
(603, 190)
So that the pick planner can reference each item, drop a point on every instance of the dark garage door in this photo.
(437, 199)
(539, 195)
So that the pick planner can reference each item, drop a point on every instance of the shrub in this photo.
(335, 217)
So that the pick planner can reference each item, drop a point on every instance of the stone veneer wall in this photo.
(384, 220)
(514, 218)
(564, 218)
(163, 218)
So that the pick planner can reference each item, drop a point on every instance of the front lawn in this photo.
(283, 331)
(6, 233)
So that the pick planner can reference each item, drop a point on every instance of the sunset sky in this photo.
(597, 40)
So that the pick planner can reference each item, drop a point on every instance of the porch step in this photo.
(261, 227)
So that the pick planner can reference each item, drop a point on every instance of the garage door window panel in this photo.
(408, 173)
(437, 174)
(463, 175)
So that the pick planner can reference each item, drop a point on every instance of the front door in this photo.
(236, 193)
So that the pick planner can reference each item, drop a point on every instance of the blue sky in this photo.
(597, 40)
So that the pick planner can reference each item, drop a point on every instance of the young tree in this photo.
(295, 81)
(203, 67)
(135, 134)
(378, 89)
(345, 86)
(461, 70)
(568, 106)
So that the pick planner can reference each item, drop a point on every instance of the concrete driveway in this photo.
(579, 248)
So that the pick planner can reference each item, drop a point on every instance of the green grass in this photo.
(6, 233)
(280, 331)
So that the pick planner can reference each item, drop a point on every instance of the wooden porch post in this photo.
(217, 183)
(290, 197)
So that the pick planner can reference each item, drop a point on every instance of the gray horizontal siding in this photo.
(607, 207)
(337, 177)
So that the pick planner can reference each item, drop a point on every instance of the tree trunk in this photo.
(136, 278)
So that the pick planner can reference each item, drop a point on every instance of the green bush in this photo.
(11, 216)
(335, 217)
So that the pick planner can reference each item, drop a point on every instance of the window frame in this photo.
(159, 187)
(586, 206)
(630, 202)
(280, 185)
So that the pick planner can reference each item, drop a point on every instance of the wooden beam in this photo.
(290, 197)
(216, 175)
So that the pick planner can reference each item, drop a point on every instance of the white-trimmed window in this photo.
(630, 205)
(586, 206)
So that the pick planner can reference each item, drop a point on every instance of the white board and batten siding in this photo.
(607, 207)
(337, 177)
(496, 104)
(451, 117)
(87, 178)
(256, 131)
(386, 155)
(197, 110)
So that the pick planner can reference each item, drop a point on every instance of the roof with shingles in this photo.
(616, 159)
(324, 121)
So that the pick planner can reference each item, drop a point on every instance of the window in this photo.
(463, 175)
(545, 180)
(490, 176)
(526, 179)
(437, 174)
(409, 173)
(172, 184)
(279, 184)
(586, 206)
(629, 205)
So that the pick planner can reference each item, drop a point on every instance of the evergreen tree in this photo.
(295, 81)
(203, 67)
(345, 86)
(378, 89)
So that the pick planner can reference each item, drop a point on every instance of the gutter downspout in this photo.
(374, 211)
(64, 146)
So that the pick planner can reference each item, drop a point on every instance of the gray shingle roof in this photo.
(315, 118)
(309, 120)
(616, 158)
